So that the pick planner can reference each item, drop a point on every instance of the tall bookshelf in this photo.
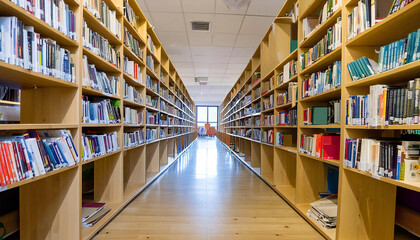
(367, 205)
(50, 204)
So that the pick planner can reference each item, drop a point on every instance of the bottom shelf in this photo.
(89, 232)
(288, 192)
(303, 209)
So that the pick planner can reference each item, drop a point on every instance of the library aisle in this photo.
(208, 194)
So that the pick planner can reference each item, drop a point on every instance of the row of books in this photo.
(133, 69)
(385, 105)
(20, 45)
(391, 56)
(152, 101)
(150, 62)
(99, 80)
(289, 95)
(152, 84)
(133, 44)
(287, 118)
(369, 12)
(284, 139)
(266, 86)
(35, 153)
(133, 116)
(329, 43)
(323, 115)
(256, 134)
(129, 14)
(320, 145)
(309, 24)
(131, 93)
(163, 120)
(394, 159)
(95, 145)
(289, 71)
(268, 102)
(152, 117)
(166, 108)
(100, 111)
(55, 13)
(151, 135)
(132, 139)
(268, 120)
(104, 14)
(150, 43)
(100, 46)
(322, 81)
(267, 136)
(165, 94)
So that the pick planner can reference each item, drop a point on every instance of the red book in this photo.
(7, 163)
(4, 167)
(330, 147)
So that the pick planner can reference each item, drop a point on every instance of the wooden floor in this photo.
(208, 195)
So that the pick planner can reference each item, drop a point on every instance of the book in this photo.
(320, 145)
(131, 139)
(286, 118)
(325, 211)
(99, 80)
(322, 81)
(104, 14)
(95, 218)
(133, 116)
(100, 110)
(133, 44)
(89, 209)
(133, 69)
(98, 144)
(130, 93)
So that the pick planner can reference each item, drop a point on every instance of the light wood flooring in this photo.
(207, 194)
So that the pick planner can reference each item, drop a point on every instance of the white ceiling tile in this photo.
(234, 70)
(201, 50)
(218, 65)
(243, 52)
(231, 76)
(256, 25)
(190, 17)
(243, 60)
(222, 8)
(227, 23)
(183, 65)
(201, 65)
(202, 59)
(218, 70)
(172, 22)
(181, 58)
(164, 5)
(265, 7)
(200, 38)
(202, 71)
(217, 75)
(198, 6)
(221, 51)
(185, 70)
(224, 39)
(236, 65)
(248, 41)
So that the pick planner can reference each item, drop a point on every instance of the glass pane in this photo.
(213, 114)
(201, 114)
(201, 124)
(213, 124)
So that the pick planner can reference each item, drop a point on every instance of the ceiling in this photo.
(221, 54)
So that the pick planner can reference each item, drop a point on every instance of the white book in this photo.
(33, 148)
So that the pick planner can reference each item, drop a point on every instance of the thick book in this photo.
(89, 209)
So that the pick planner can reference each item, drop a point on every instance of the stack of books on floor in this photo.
(325, 211)
(92, 212)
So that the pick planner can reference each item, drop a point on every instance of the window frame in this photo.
(207, 108)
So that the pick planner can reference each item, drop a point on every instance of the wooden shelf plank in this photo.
(37, 126)
(331, 94)
(323, 62)
(100, 63)
(95, 25)
(328, 161)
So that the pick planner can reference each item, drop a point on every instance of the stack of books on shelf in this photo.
(152, 84)
(369, 12)
(150, 62)
(391, 56)
(267, 136)
(132, 116)
(391, 158)
(289, 71)
(133, 69)
(130, 93)
(100, 111)
(132, 139)
(268, 103)
(266, 86)
(309, 24)
(129, 14)
(325, 211)
(319, 115)
(133, 44)
(385, 106)
(151, 135)
(100, 46)
(98, 144)
(60, 17)
(99, 80)
(105, 15)
(35, 153)
(150, 43)
(152, 117)
(322, 81)
(92, 212)
(268, 120)
(20, 45)
(287, 118)
(289, 95)
(151, 101)
(284, 139)
(256, 134)
(329, 43)
(321, 145)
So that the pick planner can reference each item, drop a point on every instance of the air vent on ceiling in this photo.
(200, 26)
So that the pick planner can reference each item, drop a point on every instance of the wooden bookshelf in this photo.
(51, 103)
(363, 212)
